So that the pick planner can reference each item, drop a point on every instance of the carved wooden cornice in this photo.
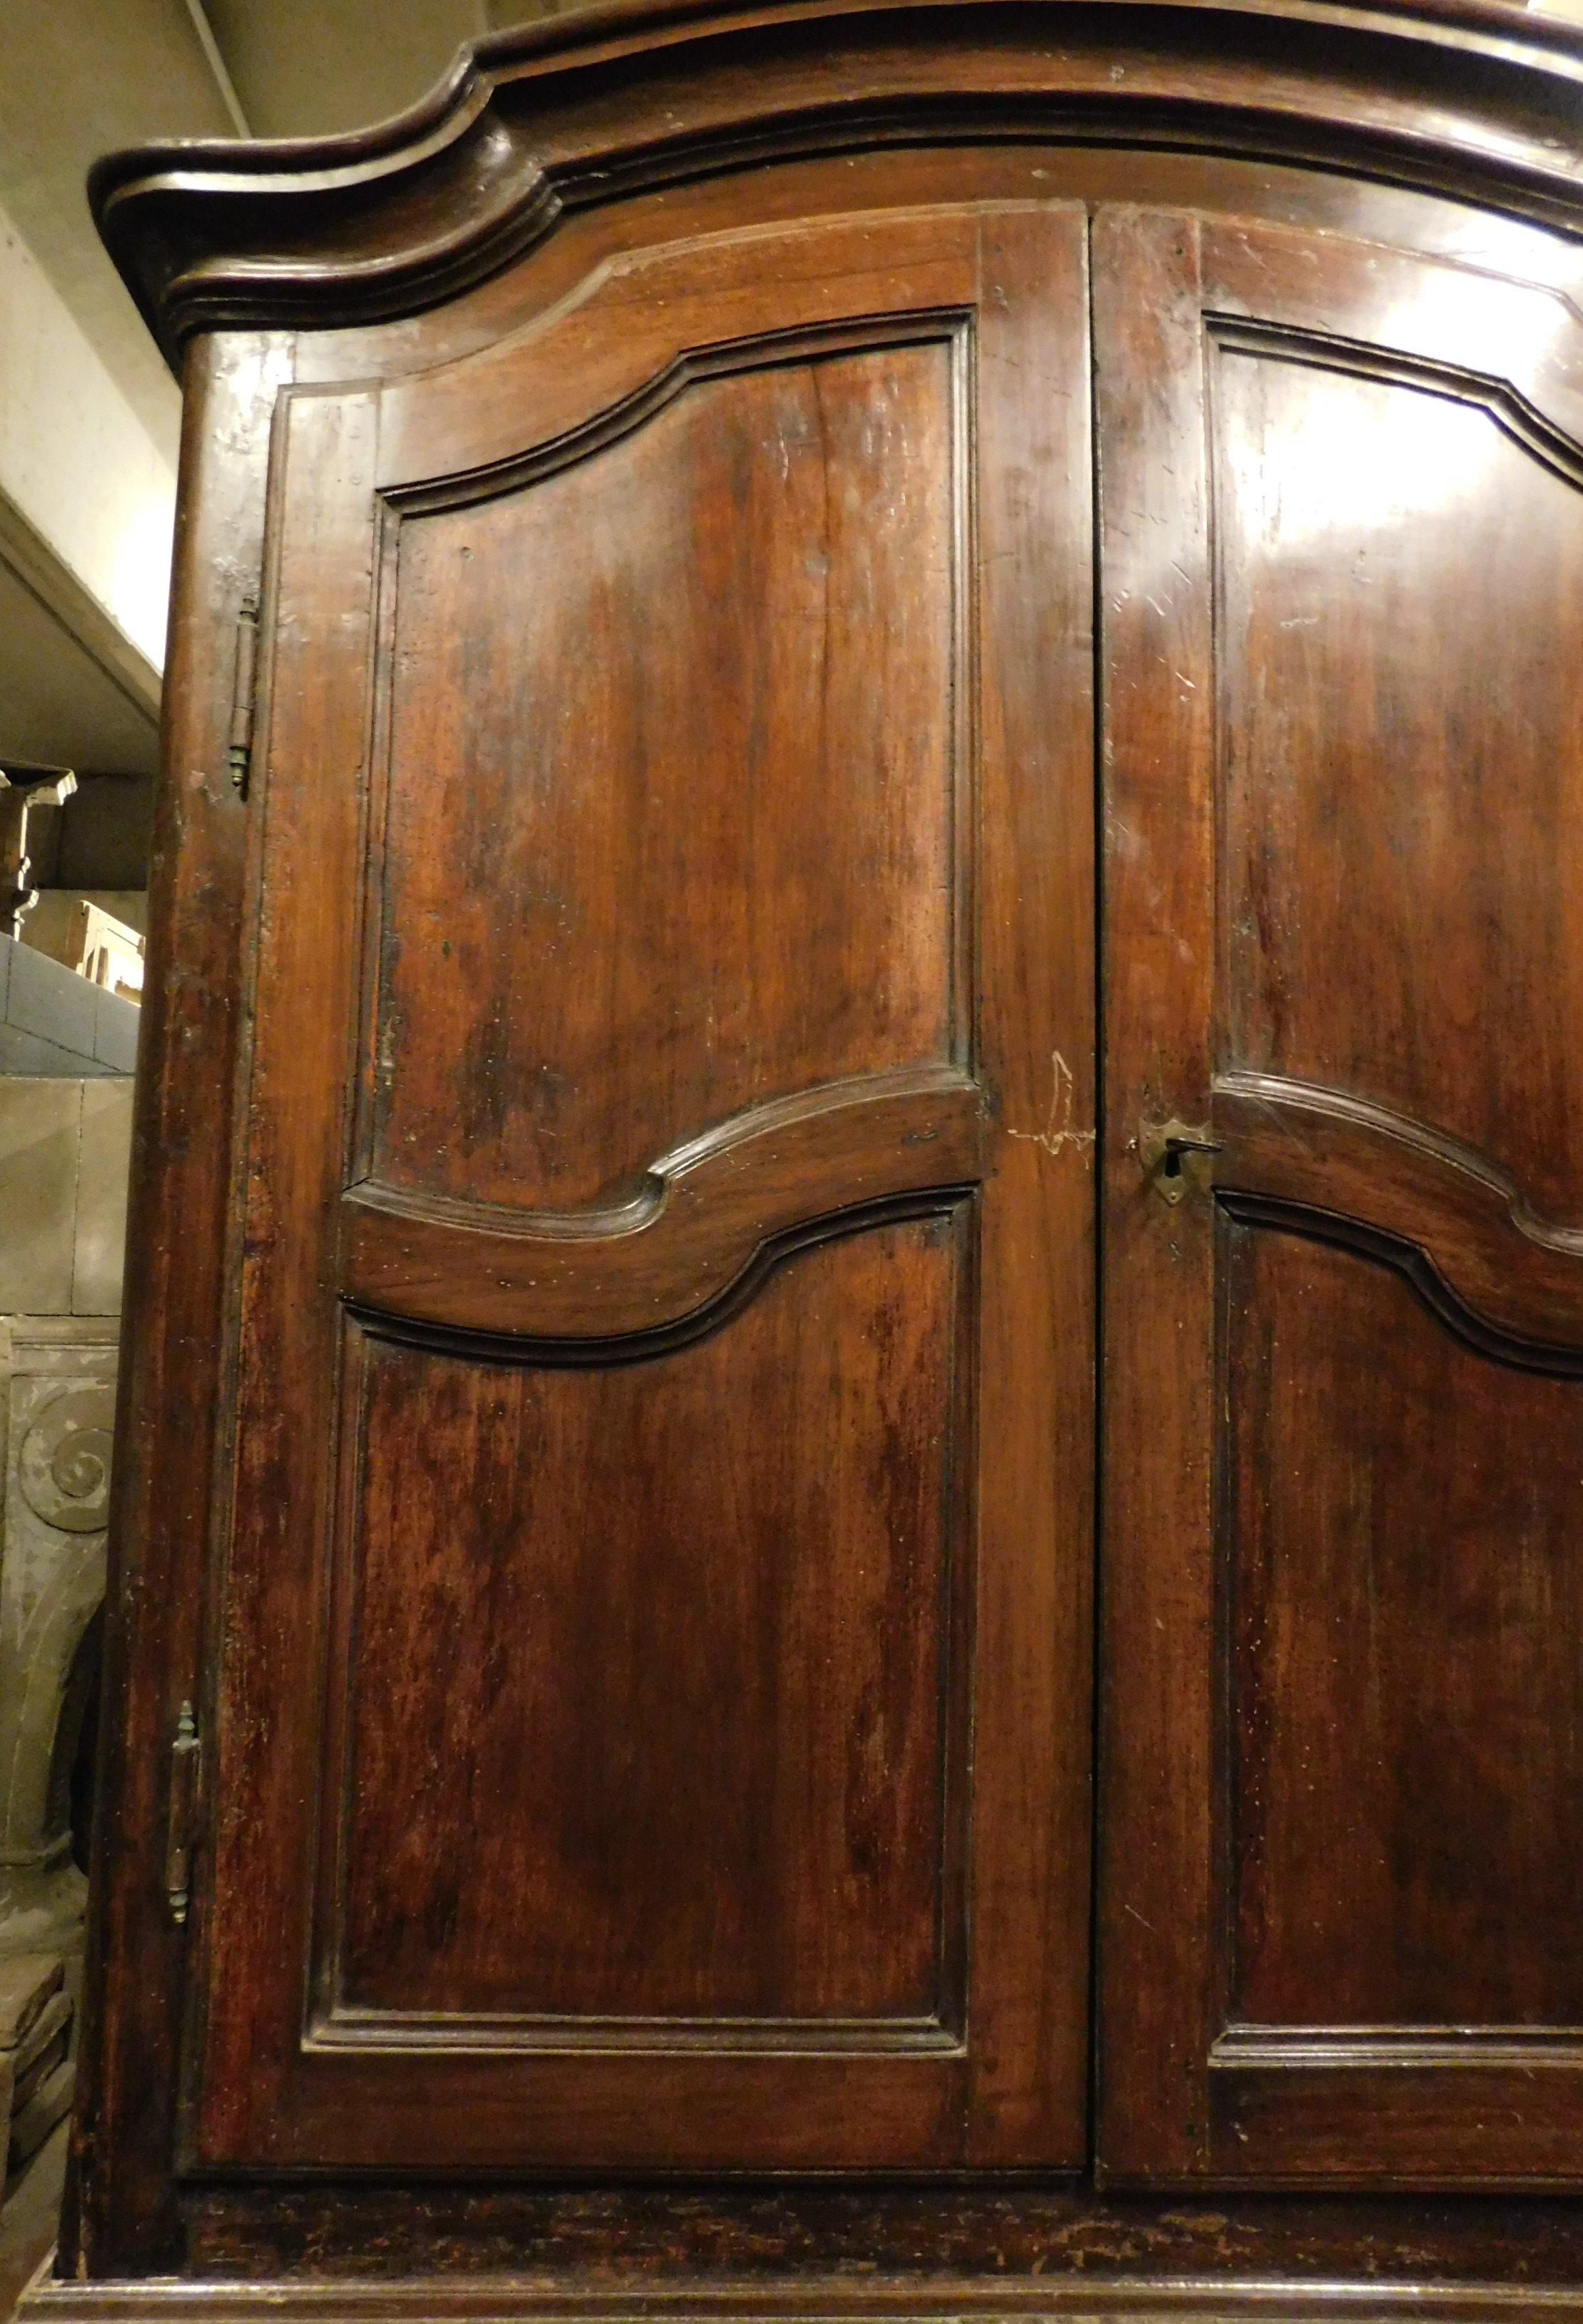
(1447, 95)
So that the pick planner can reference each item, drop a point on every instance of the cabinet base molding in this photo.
(496, 2299)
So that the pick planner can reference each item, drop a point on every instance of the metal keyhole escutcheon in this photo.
(1174, 1155)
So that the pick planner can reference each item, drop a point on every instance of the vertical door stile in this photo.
(1037, 1032)
(1156, 1588)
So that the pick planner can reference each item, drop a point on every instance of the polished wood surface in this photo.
(1445, 93)
(1403, 1676)
(721, 769)
(1157, 1585)
(615, 1460)
(1359, 1969)
(794, 924)
(693, 1734)
(1380, 518)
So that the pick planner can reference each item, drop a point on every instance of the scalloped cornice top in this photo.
(1458, 95)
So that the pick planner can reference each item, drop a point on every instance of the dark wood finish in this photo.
(1391, 508)
(688, 1237)
(1403, 1765)
(1330, 1579)
(1462, 1229)
(929, 2238)
(784, 623)
(692, 1734)
(1447, 94)
(1209, 2297)
(1156, 1586)
(920, 337)
(174, 1317)
(643, 312)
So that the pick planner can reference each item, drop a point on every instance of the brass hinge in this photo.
(239, 748)
(181, 1814)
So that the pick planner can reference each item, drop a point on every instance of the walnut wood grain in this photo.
(701, 1217)
(1504, 1273)
(750, 788)
(935, 839)
(543, 119)
(1379, 959)
(608, 289)
(1401, 1660)
(1156, 1578)
(764, 1774)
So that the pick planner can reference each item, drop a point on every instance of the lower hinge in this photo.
(243, 687)
(186, 1749)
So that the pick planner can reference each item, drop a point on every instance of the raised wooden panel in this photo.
(1343, 568)
(1400, 558)
(655, 1674)
(690, 1233)
(642, 1496)
(673, 747)
(1404, 1708)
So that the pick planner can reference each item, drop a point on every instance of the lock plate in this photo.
(1176, 1155)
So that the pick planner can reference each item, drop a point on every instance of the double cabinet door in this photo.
(909, 1199)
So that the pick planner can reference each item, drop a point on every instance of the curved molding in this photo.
(1520, 419)
(1507, 1280)
(695, 1226)
(1463, 95)
(484, 425)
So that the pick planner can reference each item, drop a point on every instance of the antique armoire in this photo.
(851, 1485)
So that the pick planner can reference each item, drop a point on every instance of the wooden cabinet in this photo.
(1342, 573)
(856, 1324)
(673, 1730)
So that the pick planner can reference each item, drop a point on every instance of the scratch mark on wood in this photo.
(1058, 1133)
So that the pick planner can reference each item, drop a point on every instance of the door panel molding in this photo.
(1231, 1577)
(647, 1270)
(702, 1218)
(901, 805)
(702, 1502)
(1509, 1281)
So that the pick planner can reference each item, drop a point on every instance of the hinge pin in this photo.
(239, 750)
(184, 1758)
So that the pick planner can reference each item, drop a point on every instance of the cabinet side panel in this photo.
(119, 2213)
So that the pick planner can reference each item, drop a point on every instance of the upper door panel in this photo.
(656, 1661)
(690, 702)
(1400, 558)
(1346, 843)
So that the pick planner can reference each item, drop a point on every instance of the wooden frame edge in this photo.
(1076, 2296)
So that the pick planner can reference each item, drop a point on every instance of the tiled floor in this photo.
(27, 2220)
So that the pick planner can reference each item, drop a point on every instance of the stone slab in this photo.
(41, 1127)
(99, 1233)
(29, 1982)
